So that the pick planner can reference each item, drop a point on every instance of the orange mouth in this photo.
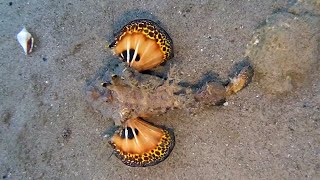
(143, 45)
(141, 144)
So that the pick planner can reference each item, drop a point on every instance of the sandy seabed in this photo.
(49, 131)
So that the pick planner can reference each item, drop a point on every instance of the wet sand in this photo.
(49, 131)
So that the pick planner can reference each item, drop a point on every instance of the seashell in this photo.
(143, 44)
(26, 40)
(140, 144)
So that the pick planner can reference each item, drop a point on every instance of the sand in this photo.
(49, 131)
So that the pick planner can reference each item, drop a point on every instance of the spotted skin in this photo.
(152, 31)
(150, 157)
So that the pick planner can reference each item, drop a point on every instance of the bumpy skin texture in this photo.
(135, 95)
(155, 96)
(152, 30)
(150, 97)
(211, 94)
(142, 95)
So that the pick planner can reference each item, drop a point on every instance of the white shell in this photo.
(26, 40)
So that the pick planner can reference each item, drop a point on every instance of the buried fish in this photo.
(135, 97)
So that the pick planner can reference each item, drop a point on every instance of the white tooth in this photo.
(135, 53)
(25, 38)
(126, 132)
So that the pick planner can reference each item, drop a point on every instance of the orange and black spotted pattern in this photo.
(143, 44)
(140, 144)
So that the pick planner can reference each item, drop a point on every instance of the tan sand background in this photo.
(49, 131)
